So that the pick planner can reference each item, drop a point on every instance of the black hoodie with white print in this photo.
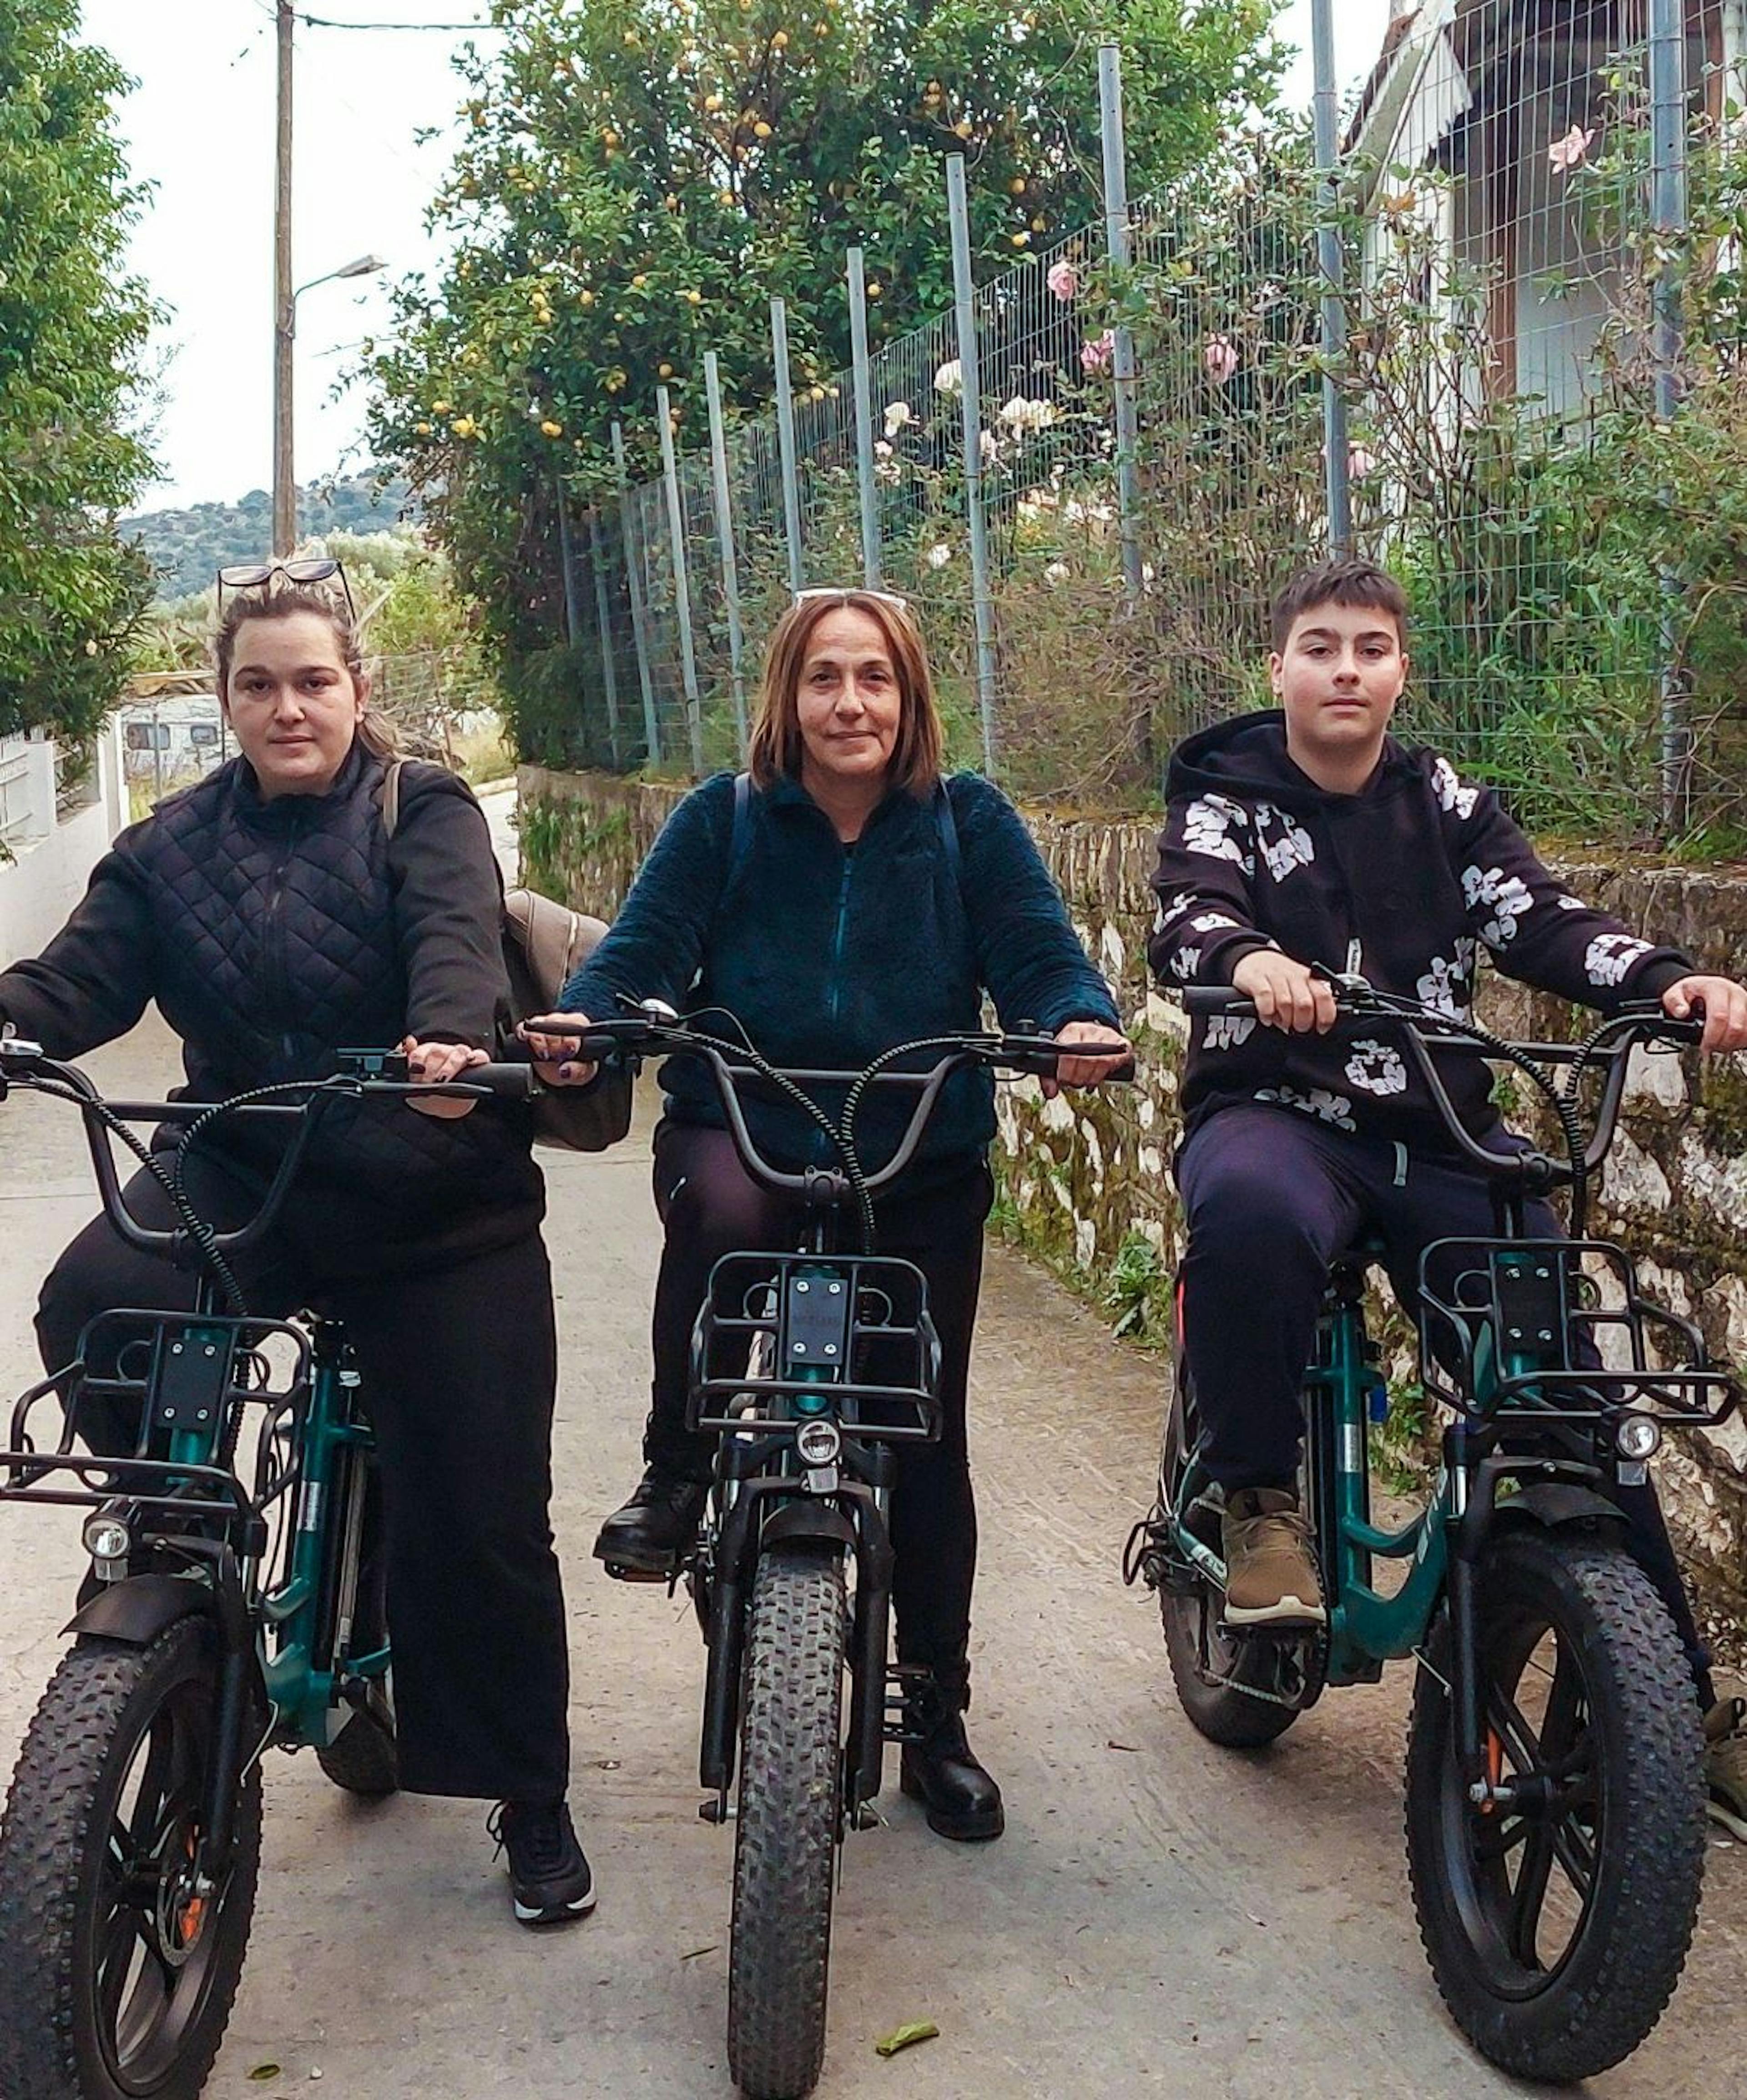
(1404, 882)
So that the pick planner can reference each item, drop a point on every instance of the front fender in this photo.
(1552, 1503)
(138, 1610)
(812, 1523)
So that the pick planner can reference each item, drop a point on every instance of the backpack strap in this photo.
(741, 837)
(947, 826)
(390, 804)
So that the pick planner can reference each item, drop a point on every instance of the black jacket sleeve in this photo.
(655, 944)
(1205, 924)
(1536, 931)
(1028, 954)
(94, 979)
(448, 912)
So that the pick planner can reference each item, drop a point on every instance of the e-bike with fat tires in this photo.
(1555, 1802)
(235, 1602)
(814, 1366)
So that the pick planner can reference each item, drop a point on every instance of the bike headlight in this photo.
(818, 1443)
(1638, 1437)
(106, 1537)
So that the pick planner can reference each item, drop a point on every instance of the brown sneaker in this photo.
(1271, 1576)
(1725, 1762)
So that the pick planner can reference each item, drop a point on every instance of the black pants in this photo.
(1272, 1197)
(710, 1206)
(461, 1369)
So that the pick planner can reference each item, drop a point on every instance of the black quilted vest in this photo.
(276, 947)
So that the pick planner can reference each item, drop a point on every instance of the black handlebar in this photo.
(364, 1074)
(1038, 1056)
(1424, 1032)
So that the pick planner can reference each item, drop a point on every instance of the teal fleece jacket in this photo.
(827, 955)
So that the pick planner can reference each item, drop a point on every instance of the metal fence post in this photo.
(1118, 246)
(639, 616)
(566, 561)
(785, 439)
(682, 582)
(864, 437)
(970, 393)
(603, 620)
(1669, 219)
(1337, 462)
(730, 578)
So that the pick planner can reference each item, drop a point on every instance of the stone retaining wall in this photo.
(1086, 1183)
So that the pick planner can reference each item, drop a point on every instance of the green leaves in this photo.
(71, 327)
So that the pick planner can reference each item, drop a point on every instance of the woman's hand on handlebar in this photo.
(1288, 994)
(434, 1065)
(1106, 1052)
(1722, 1003)
(554, 1056)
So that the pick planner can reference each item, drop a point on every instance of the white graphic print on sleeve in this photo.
(1448, 985)
(1207, 826)
(1227, 1031)
(1507, 896)
(1452, 792)
(1319, 1102)
(1569, 903)
(1184, 964)
(1209, 922)
(1168, 915)
(1285, 846)
(1610, 955)
(1377, 1068)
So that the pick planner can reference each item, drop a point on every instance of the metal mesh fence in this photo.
(1525, 391)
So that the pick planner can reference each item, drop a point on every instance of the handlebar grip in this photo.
(1217, 999)
(509, 1082)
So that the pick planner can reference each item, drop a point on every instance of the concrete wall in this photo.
(54, 855)
(1086, 1182)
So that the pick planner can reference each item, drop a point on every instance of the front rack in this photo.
(1545, 1306)
(849, 1332)
(176, 1374)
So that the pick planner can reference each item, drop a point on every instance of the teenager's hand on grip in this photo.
(1721, 1002)
(1287, 994)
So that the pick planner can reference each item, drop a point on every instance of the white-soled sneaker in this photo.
(550, 1879)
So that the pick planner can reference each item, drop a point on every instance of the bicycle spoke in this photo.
(1530, 1895)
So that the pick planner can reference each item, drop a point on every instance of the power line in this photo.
(447, 29)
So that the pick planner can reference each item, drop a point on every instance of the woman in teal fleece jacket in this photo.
(861, 901)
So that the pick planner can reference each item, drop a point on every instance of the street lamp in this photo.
(284, 337)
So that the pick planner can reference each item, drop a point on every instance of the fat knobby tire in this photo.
(54, 1840)
(787, 1833)
(1646, 1744)
(1223, 1714)
(365, 1757)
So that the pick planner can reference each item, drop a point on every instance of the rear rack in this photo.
(1537, 1301)
(851, 1334)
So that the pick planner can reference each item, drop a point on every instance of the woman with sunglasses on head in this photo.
(274, 920)
(860, 901)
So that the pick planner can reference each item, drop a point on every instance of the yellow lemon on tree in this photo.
(779, 41)
(761, 129)
(694, 298)
(549, 429)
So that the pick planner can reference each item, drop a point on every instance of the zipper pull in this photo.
(1355, 957)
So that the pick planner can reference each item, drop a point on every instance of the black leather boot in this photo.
(938, 1769)
(646, 1539)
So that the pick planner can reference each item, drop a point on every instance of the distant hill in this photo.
(185, 547)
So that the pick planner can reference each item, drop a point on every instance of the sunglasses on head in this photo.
(846, 592)
(315, 569)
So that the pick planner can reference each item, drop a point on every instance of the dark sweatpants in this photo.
(1272, 1198)
(460, 1364)
(711, 1207)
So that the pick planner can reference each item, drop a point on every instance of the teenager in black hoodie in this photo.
(1309, 836)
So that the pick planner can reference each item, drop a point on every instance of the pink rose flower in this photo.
(1063, 280)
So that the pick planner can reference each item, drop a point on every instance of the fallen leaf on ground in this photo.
(263, 2072)
(907, 2037)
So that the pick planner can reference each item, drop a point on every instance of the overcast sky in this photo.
(199, 127)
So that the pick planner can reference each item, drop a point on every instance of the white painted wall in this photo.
(54, 857)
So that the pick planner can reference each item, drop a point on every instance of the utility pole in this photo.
(285, 310)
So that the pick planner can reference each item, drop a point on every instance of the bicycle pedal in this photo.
(622, 1572)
